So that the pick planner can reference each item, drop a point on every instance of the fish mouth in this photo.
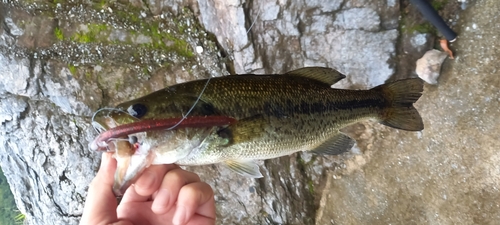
(132, 153)
(130, 166)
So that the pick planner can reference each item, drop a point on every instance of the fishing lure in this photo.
(444, 46)
(100, 143)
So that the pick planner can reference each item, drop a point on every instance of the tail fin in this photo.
(401, 95)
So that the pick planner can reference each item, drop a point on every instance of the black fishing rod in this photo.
(432, 16)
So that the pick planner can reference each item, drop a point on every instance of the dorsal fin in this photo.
(322, 74)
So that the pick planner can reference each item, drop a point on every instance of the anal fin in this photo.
(245, 168)
(337, 144)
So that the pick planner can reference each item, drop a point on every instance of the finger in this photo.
(207, 209)
(100, 191)
(170, 187)
(152, 178)
(123, 222)
(132, 196)
(194, 198)
(137, 213)
(197, 219)
(149, 181)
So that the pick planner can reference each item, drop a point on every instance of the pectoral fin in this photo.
(338, 144)
(245, 168)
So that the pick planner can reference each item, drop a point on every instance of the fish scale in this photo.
(304, 115)
(276, 115)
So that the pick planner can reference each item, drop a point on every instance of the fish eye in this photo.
(132, 139)
(137, 110)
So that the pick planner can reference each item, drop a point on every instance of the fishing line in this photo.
(192, 107)
(258, 13)
(131, 139)
(120, 139)
(206, 84)
(93, 122)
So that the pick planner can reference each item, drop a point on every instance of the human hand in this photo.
(164, 194)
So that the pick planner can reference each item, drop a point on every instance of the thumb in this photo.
(123, 222)
(100, 205)
(106, 172)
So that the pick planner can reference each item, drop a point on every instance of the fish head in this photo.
(134, 152)
(157, 105)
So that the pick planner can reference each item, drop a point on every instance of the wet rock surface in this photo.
(448, 173)
(59, 62)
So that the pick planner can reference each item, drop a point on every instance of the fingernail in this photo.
(180, 215)
(161, 202)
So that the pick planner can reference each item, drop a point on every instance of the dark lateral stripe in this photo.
(288, 109)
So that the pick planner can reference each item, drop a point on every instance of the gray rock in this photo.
(47, 164)
(15, 74)
(270, 11)
(419, 40)
(328, 6)
(363, 57)
(61, 88)
(10, 110)
(227, 20)
(429, 66)
(13, 29)
(359, 19)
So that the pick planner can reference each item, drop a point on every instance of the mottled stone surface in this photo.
(357, 38)
(447, 174)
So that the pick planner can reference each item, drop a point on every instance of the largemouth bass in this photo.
(272, 116)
